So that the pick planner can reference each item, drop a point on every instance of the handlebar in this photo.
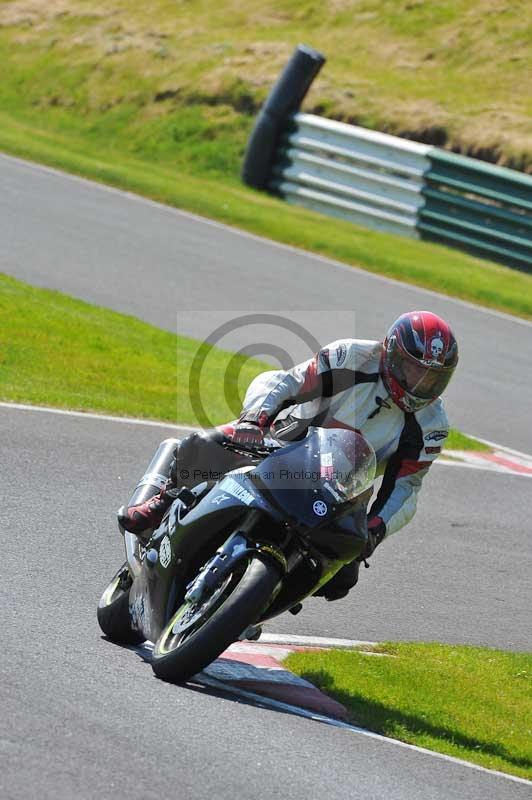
(259, 451)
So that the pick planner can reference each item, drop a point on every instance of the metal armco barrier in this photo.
(365, 177)
(398, 186)
(479, 207)
(385, 182)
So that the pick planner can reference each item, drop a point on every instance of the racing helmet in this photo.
(419, 356)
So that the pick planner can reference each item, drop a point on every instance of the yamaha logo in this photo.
(320, 508)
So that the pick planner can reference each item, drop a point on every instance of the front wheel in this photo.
(113, 610)
(198, 633)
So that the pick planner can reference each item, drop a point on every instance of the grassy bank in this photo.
(59, 351)
(164, 108)
(452, 72)
(469, 702)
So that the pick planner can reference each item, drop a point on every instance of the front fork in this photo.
(240, 545)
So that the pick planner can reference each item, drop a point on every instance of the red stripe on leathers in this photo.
(410, 466)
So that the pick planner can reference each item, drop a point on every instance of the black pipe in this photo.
(284, 100)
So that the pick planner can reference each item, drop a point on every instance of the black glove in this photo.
(248, 433)
(376, 533)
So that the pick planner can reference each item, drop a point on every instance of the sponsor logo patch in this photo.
(341, 353)
(332, 492)
(219, 499)
(436, 436)
(326, 466)
(319, 508)
(432, 449)
(238, 491)
(165, 552)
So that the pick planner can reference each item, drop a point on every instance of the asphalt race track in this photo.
(82, 717)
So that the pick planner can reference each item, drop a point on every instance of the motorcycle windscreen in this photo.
(311, 478)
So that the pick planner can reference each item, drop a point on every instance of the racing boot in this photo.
(147, 516)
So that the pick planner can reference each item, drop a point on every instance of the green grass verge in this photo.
(59, 351)
(473, 703)
(161, 100)
(459, 441)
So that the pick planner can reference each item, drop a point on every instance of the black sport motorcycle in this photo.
(228, 557)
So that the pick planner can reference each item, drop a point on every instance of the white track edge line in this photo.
(447, 462)
(502, 447)
(312, 641)
(255, 237)
(443, 462)
(102, 417)
(268, 702)
(157, 424)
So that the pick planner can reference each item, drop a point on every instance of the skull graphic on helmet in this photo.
(436, 348)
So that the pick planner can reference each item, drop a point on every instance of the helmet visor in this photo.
(419, 380)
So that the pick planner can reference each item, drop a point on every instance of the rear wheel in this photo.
(113, 610)
(198, 633)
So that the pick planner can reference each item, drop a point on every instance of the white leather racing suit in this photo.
(342, 387)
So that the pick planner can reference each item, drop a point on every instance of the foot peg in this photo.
(251, 634)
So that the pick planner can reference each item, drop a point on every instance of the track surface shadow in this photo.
(203, 684)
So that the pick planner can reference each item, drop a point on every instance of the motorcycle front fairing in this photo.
(313, 480)
(324, 483)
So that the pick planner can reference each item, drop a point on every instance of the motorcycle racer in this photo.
(388, 391)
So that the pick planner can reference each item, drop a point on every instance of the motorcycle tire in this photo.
(239, 604)
(113, 610)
